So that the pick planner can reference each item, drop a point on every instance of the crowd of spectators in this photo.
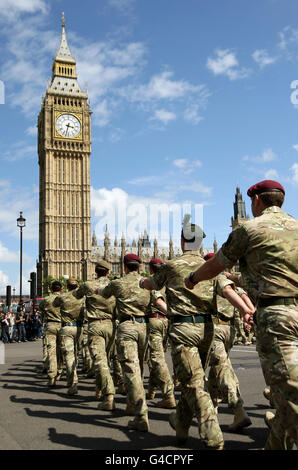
(21, 326)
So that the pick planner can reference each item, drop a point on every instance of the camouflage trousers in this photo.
(277, 345)
(159, 371)
(100, 336)
(114, 362)
(86, 355)
(222, 380)
(190, 347)
(131, 343)
(70, 337)
(54, 358)
(238, 325)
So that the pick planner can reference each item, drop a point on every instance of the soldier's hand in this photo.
(188, 283)
(141, 283)
(248, 319)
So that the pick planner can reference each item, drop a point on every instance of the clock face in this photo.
(68, 125)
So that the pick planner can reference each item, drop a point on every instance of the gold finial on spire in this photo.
(63, 20)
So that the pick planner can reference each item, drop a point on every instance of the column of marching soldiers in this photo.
(193, 305)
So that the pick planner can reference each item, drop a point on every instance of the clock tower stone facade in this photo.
(64, 148)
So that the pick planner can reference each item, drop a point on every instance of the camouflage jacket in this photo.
(130, 298)
(48, 311)
(267, 250)
(71, 307)
(96, 305)
(154, 296)
(183, 301)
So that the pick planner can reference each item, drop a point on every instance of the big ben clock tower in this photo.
(64, 147)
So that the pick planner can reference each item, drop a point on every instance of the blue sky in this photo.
(189, 100)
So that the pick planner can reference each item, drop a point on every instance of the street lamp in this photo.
(21, 222)
(84, 263)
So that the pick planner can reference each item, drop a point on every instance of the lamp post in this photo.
(84, 263)
(21, 222)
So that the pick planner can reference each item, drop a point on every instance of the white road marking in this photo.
(244, 350)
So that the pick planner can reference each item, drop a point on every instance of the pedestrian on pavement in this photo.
(20, 322)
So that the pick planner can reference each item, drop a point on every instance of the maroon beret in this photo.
(265, 186)
(131, 258)
(209, 256)
(156, 261)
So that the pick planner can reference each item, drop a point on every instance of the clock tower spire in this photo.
(64, 148)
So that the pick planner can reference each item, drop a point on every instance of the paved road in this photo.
(34, 418)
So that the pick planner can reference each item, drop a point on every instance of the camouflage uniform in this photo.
(86, 356)
(267, 249)
(222, 380)
(52, 318)
(131, 304)
(240, 337)
(158, 336)
(191, 342)
(72, 317)
(100, 332)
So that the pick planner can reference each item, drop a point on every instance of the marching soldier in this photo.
(158, 335)
(191, 334)
(267, 250)
(131, 305)
(222, 380)
(72, 317)
(100, 315)
(52, 318)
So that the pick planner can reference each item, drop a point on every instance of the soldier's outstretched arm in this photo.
(233, 277)
(161, 304)
(145, 283)
(208, 270)
(237, 301)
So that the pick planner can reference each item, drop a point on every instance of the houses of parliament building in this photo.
(64, 148)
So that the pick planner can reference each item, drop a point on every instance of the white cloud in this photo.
(226, 63)
(122, 5)
(12, 201)
(10, 8)
(146, 180)
(267, 156)
(31, 131)
(188, 166)
(20, 150)
(102, 65)
(109, 69)
(271, 174)
(262, 58)
(161, 87)
(191, 114)
(197, 187)
(4, 281)
(164, 116)
(294, 169)
(130, 214)
(7, 256)
(180, 162)
(288, 36)
(295, 147)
